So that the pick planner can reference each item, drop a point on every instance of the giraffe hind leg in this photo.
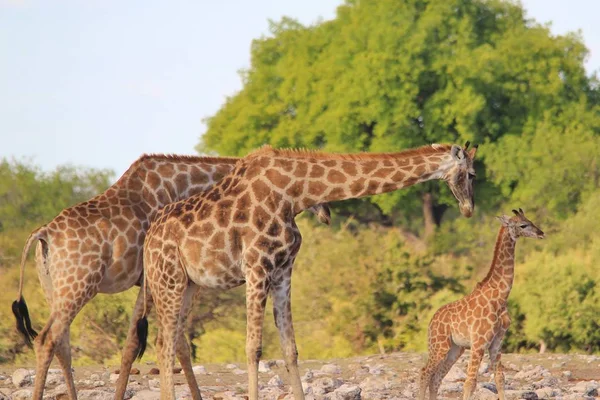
(453, 355)
(282, 312)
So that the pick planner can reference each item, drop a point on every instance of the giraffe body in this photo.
(479, 320)
(96, 247)
(242, 230)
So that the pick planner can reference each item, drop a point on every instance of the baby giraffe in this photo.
(479, 320)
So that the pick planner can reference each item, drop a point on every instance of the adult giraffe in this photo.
(242, 230)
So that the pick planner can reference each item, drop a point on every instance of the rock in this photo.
(98, 384)
(455, 374)
(520, 394)
(113, 378)
(238, 371)
(307, 376)
(547, 393)
(263, 367)
(146, 395)
(548, 381)
(592, 392)
(134, 371)
(22, 394)
(154, 371)
(95, 394)
(376, 370)
(154, 384)
(94, 377)
(275, 381)
(199, 370)
(374, 383)
(455, 387)
(21, 377)
(482, 393)
(347, 392)
(585, 386)
(484, 368)
(54, 379)
(489, 386)
(567, 374)
(231, 366)
(532, 373)
(325, 385)
(331, 369)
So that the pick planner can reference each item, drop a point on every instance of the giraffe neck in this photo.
(155, 181)
(327, 180)
(502, 270)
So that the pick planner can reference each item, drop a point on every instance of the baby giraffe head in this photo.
(520, 226)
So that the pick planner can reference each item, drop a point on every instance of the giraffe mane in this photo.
(138, 164)
(308, 153)
(181, 157)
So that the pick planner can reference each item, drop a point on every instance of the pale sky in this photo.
(99, 82)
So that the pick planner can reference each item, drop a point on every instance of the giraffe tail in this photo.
(19, 306)
(142, 323)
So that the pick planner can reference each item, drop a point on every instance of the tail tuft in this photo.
(142, 334)
(21, 313)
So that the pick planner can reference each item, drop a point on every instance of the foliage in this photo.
(396, 74)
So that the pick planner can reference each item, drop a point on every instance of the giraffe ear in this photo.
(504, 219)
(473, 151)
(457, 153)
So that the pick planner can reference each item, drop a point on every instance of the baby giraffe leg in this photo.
(496, 364)
(477, 352)
(438, 350)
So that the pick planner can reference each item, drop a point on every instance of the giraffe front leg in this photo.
(472, 370)
(257, 289)
(496, 364)
(131, 343)
(282, 312)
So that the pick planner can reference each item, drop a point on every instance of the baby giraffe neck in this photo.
(502, 270)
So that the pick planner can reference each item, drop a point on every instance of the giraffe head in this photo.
(520, 226)
(460, 177)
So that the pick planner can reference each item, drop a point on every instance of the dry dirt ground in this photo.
(390, 376)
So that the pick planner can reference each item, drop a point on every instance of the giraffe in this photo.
(96, 247)
(479, 320)
(242, 230)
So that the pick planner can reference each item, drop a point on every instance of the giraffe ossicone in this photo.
(479, 320)
(242, 230)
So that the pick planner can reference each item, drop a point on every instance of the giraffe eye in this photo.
(523, 226)
(471, 176)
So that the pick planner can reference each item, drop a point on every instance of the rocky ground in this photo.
(391, 376)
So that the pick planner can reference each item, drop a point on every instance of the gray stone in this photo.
(275, 381)
(146, 395)
(199, 370)
(22, 394)
(325, 385)
(529, 374)
(547, 393)
(95, 394)
(455, 374)
(331, 369)
(482, 393)
(154, 384)
(347, 392)
(22, 377)
(263, 367)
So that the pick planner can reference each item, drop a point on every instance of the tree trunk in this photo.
(542, 347)
(428, 216)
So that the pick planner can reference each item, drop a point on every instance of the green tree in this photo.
(386, 75)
